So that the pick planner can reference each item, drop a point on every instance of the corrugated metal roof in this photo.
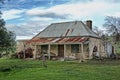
(58, 40)
(66, 29)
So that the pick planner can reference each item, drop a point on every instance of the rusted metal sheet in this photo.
(58, 40)
(41, 40)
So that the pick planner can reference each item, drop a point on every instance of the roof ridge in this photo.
(66, 22)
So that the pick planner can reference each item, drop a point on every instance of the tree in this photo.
(98, 31)
(112, 25)
(7, 38)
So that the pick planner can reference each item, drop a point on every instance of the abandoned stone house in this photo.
(68, 40)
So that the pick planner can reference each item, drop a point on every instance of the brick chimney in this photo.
(89, 24)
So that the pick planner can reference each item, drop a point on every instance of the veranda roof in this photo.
(58, 40)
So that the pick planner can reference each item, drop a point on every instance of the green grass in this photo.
(118, 51)
(57, 70)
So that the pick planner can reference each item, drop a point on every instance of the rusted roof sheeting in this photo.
(72, 40)
(40, 40)
(58, 40)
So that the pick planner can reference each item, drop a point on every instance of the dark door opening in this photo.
(61, 50)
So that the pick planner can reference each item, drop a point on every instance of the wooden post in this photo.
(64, 50)
(82, 53)
(49, 51)
(35, 52)
(24, 50)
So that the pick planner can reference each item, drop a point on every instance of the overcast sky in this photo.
(29, 17)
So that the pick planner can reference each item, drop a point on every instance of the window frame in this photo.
(75, 48)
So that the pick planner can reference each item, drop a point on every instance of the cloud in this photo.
(40, 19)
(37, 18)
(116, 14)
(72, 10)
(23, 37)
(52, 15)
(115, 1)
(39, 12)
(26, 29)
(12, 14)
(76, 1)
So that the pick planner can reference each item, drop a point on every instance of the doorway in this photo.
(61, 50)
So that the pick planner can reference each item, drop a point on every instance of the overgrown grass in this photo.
(15, 69)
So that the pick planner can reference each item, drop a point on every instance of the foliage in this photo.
(7, 38)
(112, 25)
(101, 33)
(57, 70)
(98, 31)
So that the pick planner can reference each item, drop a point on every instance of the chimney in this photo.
(89, 24)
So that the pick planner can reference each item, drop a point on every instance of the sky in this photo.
(28, 17)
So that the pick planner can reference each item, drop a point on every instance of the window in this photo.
(44, 48)
(75, 48)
